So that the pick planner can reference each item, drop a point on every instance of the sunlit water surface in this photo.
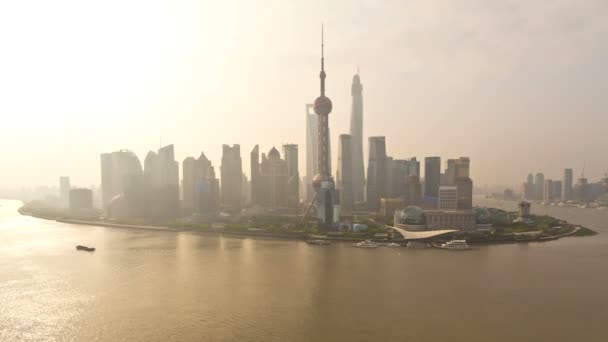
(165, 286)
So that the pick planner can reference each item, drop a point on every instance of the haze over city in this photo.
(517, 86)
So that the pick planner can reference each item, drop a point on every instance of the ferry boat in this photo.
(392, 244)
(366, 244)
(318, 242)
(455, 245)
(85, 248)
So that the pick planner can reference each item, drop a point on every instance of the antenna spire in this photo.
(322, 75)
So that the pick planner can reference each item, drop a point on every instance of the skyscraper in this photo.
(231, 177)
(376, 172)
(255, 176)
(64, 191)
(323, 182)
(161, 174)
(290, 151)
(567, 185)
(539, 186)
(548, 191)
(356, 131)
(193, 170)
(118, 171)
(312, 132)
(344, 172)
(432, 176)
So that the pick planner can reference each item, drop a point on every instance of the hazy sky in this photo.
(518, 86)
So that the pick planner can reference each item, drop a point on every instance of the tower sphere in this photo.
(322, 105)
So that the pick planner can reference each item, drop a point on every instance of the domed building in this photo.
(482, 215)
(411, 218)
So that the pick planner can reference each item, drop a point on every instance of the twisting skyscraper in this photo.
(323, 182)
(356, 131)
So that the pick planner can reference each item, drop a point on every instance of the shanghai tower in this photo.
(323, 182)
(356, 131)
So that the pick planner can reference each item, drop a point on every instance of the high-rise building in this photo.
(457, 168)
(207, 194)
(119, 171)
(548, 191)
(231, 177)
(539, 186)
(255, 176)
(464, 190)
(432, 176)
(323, 182)
(64, 191)
(344, 172)
(401, 171)
(567, 185)
(557, 190)
(376, 173)
(582, 190)
(448, 197)
(161, 174)
(290, 151)
(413, 191)
(193, 170)
(356, 131)
(312, 132)
(271, 182)
(390, 178)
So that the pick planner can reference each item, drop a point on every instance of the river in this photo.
(183, 286)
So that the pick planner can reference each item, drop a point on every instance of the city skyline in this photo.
(480, 89)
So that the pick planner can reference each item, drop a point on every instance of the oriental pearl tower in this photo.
(323, 182)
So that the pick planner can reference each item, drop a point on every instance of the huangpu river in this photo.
(184, 286)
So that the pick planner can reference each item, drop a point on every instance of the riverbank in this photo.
(578, 231)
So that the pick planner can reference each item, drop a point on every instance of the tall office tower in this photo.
(119, 171)
(539, 186)
(389, 178)
(161, 175)
(413, 190)
(193, 170)
(530, 179)
(64, 191)
(246, 200)
(401, 170)
(255, 176)
(567, 185)
(189, 179)
(290, 151)
(356, 131)
(274, 175)
(207, 194)
(582, 190)
(432, 176)
(323, 182)
(414, 167)
(548, 191)
(231, 177)
(376, 171)
(464, 189)
(557, 190)
(312, 129)
(447, 197)
(457, 168)
(344, 172)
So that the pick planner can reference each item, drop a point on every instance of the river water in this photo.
(166, 286)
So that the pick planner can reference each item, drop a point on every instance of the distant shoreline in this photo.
(262, 234)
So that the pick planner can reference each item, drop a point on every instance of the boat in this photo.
(392, 244)
(366, 244)
(455, 245)
(318, 242)
(416, 244)
(85, 248)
